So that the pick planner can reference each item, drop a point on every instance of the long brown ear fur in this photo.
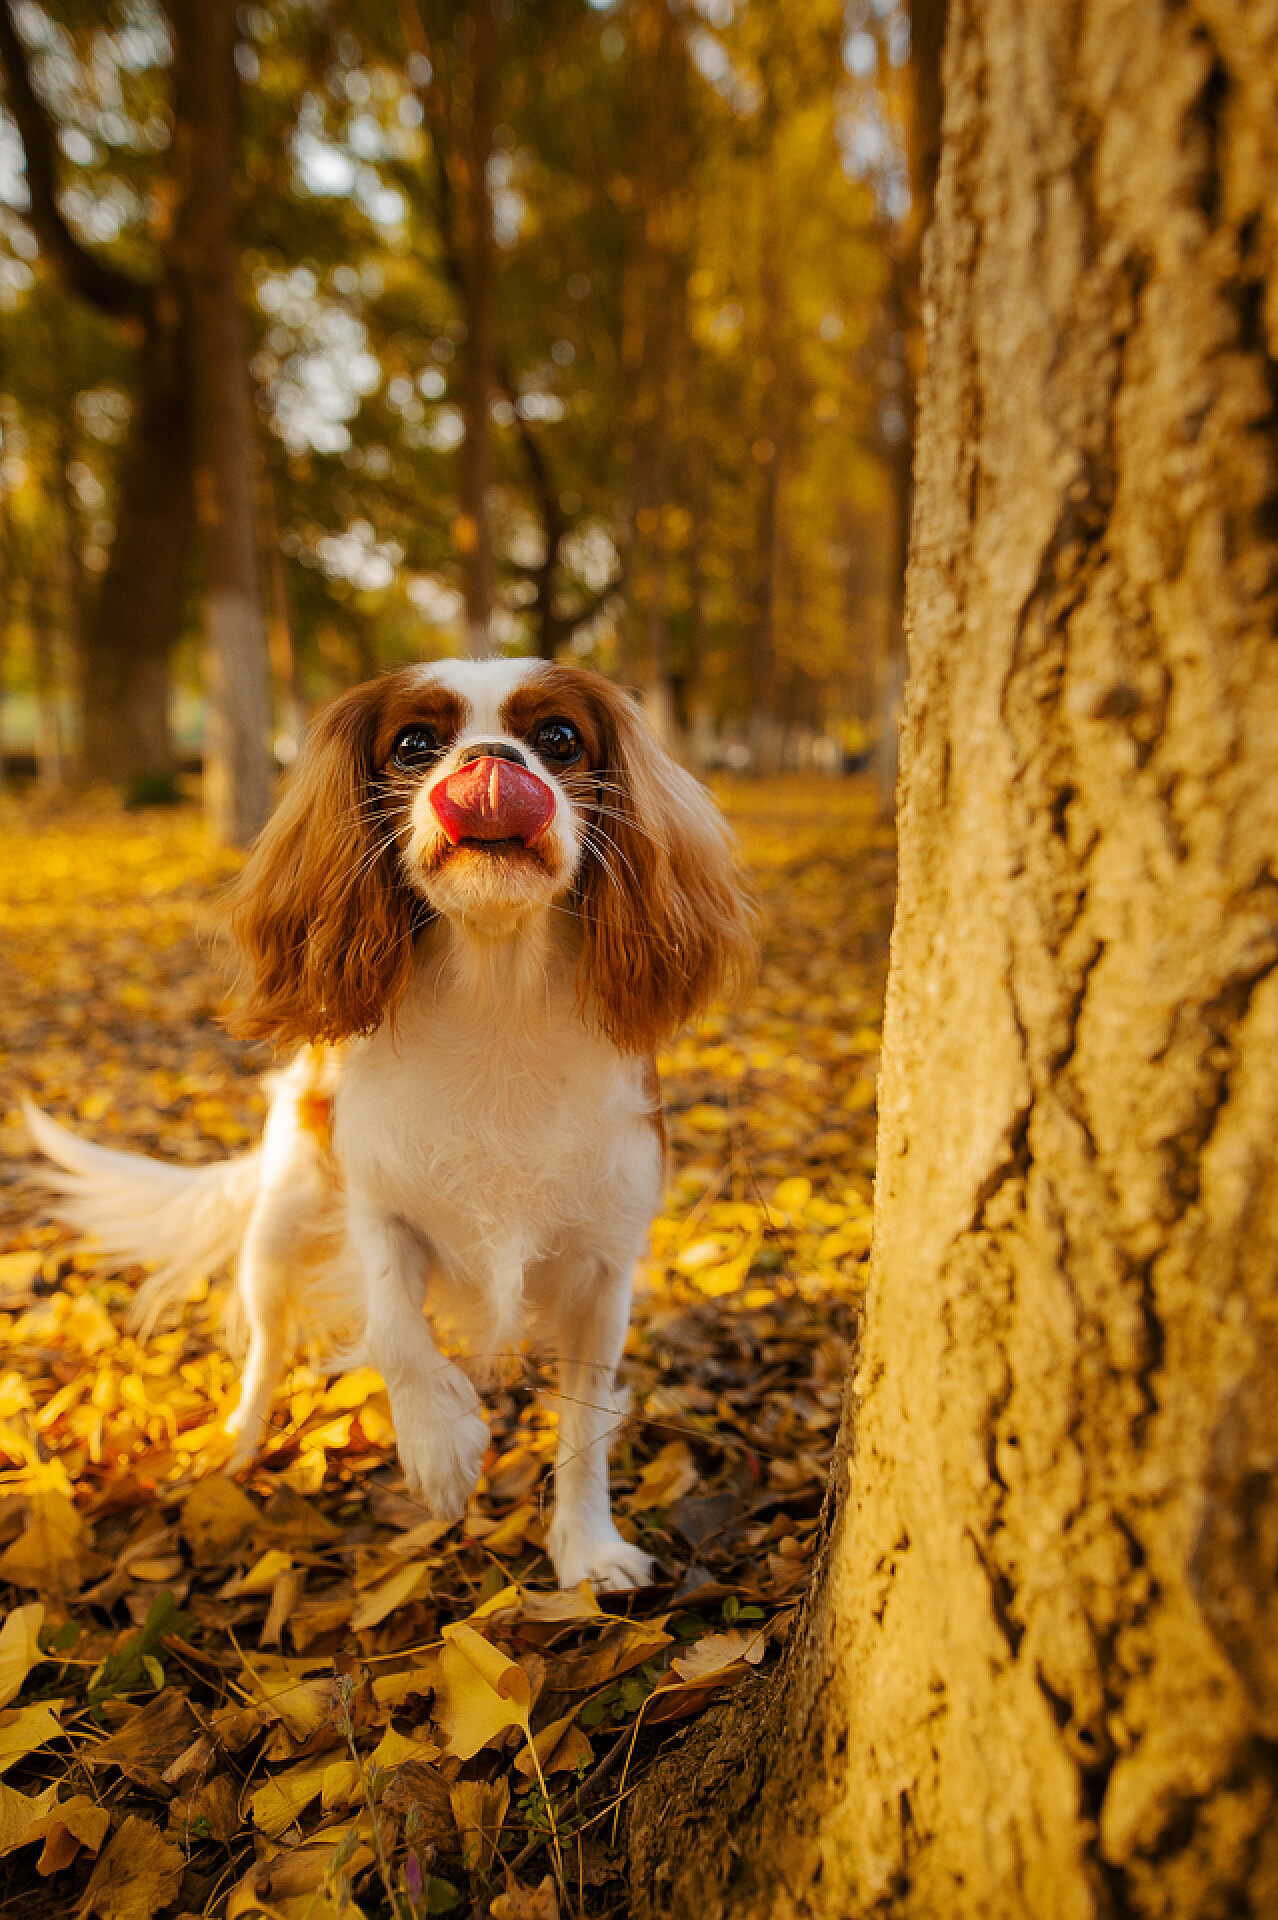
(666, 917)
(320, 914)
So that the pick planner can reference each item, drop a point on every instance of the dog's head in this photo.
(487, 792)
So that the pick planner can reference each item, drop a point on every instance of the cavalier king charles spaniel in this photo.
(486, 897)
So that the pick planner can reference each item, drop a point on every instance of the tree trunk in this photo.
(131, 628)
(237, 762)
(134, 619)
(1037, 1673)
(472, 531)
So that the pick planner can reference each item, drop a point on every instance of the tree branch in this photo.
(104, 286)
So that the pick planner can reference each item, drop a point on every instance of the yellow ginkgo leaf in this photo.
(395, 1591)
(302, 1703)
(481, 1691)
(261, 1576)
(20, 1812)
(19, 1648)
(395, 1748)
(343, 1783)
(22, 1731)
(665, 1479)
(578, 1603)
(286, 1794)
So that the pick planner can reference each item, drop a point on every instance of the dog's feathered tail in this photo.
(182, 1222)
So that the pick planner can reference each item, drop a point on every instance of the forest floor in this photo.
(240, 1697)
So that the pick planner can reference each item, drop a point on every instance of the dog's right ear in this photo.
(320, 913)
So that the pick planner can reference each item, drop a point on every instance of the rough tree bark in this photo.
(237, 761)
(1037, 1674)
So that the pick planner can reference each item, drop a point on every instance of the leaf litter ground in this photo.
(296, 1694)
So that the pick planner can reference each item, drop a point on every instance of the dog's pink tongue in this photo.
(493, 799)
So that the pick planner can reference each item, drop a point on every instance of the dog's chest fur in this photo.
(492, 1123)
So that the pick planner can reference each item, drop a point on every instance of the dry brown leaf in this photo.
(717, 1653)
(217, 1520)
(139, 1873)
(526, 1903)
(73, 1824)
(480, 1808)
(151, 1741)
(619, 1649)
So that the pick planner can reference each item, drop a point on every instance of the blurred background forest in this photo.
(338, 335)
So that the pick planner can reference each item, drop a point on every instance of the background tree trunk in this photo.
(134, 619)
(472, 530)
(132, 624)
(1037, 1675)
(237, 762)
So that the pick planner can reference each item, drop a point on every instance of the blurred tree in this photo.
(662, 414)
(237, 767)
(132, 625)
(179, 304)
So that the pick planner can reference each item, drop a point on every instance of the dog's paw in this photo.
(442, 1440)
(610, 1563)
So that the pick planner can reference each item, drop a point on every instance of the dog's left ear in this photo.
(667, 920)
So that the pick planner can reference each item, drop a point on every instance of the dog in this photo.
(486, 896)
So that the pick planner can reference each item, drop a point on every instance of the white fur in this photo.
(494, 1161)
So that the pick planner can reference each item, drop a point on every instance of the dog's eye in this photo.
(416, 747)
(558, 740)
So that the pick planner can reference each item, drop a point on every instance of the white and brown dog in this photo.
(496, 891)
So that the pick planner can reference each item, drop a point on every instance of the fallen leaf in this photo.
(71, 1825)
(561, 1747)
(277, 1804)
(260, 1578)
(217, 1520)
(139, 1873)
(54, 1553)
(717, 1652)
(396, 1590)
(25, 1729)
(665, 1479)
(151, 1741)
(479, 1808)
(620, 1648)
(481, 1691)
(526, 1903)
(19, 1648)
(20, 1813)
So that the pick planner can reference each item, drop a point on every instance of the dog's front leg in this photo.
(438, 1425)
(583, 1541)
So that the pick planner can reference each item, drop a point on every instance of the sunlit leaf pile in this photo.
(297, 1694)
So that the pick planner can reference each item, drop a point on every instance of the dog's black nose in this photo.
(491, 750)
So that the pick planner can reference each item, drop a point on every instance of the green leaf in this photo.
(134, 1665)
(441, 1896)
